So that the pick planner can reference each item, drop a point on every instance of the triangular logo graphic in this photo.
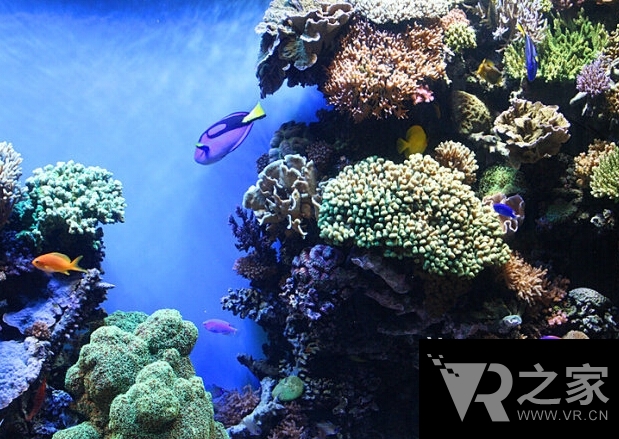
(462, 380)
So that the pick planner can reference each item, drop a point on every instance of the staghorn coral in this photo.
(605, 177)
(531, 131)
(455, 155)
(70, 199)
(10, 192)
(569, 45)
(377, 73)
(396, 11)
(285, 192)
(418, 209)
(293, 37)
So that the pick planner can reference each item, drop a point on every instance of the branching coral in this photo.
(418, 209)
(294, 35)
(396, 11)
(285, 192)
(585, 163)
(377, 73)
(10, 172)
(531, 283)
(569, 45)
(605, 177)
(455, 155)
(70, 199)
(531, 131)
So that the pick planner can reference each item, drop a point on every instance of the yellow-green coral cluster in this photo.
(70, 198)
(605, 177)
(460, 36)
(417, 209)
(569, 45)
(285, 192)
(10, 171)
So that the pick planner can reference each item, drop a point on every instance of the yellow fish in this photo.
(57, 263)
(415, 143)
(489, 72)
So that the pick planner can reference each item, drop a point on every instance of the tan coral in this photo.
(470, 113)
(294, 36)
(585, 163)
(455, 155)
(285, 192)
(531, 130)
(379, 73)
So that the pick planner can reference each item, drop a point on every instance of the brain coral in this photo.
(294, 34)
(417, 209)
(285, 191)
(470, 113)
(70, 199)
(377, 73)
(531, 131)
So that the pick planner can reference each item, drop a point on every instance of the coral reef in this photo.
(397, 11)
(293, 37)
(531, 130)
(501, 179)
(378, 73)
(605, 176)
(509, 224)
(455, 155)
(69, 200)
(593, 79)
(591, 313)
(141, 381)
(470, 114)
(418, 209)
(285, 192)
(10, 171)
(62, 306)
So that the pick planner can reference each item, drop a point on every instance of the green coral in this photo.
(85, 430)
(116, 364)
(288, 388)
(417, 209)
(460, 36)
(569, 45)
(605, 177)
(70, 199)
(162, 405)
(501, 180)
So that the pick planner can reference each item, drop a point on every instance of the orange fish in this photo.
(57, 263)
(38, 400)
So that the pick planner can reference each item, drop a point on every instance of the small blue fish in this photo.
(530, 54)
(226, 135)
(504, 209)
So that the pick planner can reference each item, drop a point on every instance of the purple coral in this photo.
(593, 79)
(312, 289)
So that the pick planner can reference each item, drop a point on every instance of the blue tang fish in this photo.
(504, 209)
(530, 54)
(225, 136)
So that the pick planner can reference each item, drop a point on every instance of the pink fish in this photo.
(219, 327)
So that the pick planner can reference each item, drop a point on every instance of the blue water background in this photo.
(130, 86)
